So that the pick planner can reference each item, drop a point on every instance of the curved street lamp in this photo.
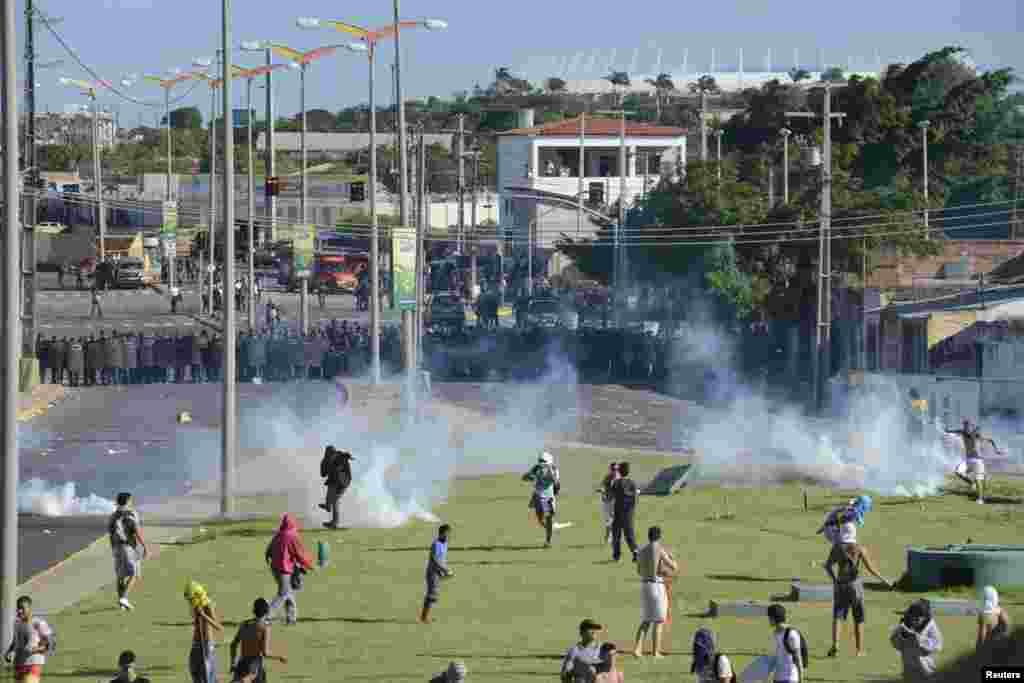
(88, 88)
(369, 39)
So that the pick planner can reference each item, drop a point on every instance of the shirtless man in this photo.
(974, 472)
(254, 638)
(654, 563)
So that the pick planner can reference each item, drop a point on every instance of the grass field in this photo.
(513, 607)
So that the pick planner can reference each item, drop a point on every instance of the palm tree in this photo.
(663, 87)
(797, 74)
(620, 81)
(704, 86)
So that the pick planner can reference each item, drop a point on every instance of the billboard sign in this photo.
(302, 250)
(403, 275)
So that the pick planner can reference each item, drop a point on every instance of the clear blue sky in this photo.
(117, 37)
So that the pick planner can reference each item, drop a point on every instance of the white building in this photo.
(538, 172)
(75, 127)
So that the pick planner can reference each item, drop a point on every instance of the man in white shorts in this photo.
(972, 470)
(653, 563)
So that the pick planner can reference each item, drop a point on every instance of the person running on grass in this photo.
(843, 567)
(546, 487)
(254, 639)
(973, 473)
(128, 546)
(437, 569)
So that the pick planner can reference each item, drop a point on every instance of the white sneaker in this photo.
(981, 501)
(123, 602)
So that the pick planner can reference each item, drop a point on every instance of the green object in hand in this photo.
(322, 553)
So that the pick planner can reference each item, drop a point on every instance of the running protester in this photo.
(437, 569)
(972, 470)
(546, 486)
(853, 512)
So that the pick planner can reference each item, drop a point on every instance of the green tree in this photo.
(833, 74)
(186, 118)
(797, 74)
(620, 83)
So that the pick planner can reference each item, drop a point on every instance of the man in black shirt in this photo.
(336, 467)
(625, 496)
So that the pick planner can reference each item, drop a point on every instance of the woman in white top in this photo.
(993, 622)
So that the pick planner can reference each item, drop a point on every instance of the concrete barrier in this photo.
(737, 609)
(954, 608)
(808, 592)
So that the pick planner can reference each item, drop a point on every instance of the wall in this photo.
(891, 270)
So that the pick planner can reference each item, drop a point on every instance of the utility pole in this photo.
(703, 126)
(229, 430)
(1018, 192)
(924, 125)
(212, 267)
(785, 132)
(30, 182)
(474, 246)
(582, 173)
(461, 186)
(9, 341)
(403, 158)
(822, 358)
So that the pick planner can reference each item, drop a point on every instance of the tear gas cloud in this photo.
(403, 468)
(751, 439)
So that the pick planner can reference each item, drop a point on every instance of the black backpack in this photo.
(803, 646)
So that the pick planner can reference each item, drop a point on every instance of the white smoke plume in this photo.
(39, 497)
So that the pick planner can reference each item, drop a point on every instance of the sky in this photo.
(534, 38)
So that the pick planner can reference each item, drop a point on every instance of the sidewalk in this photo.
(90, 570)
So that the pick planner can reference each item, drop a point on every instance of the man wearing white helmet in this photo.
(546, 486)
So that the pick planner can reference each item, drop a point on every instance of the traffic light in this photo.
(357, 192)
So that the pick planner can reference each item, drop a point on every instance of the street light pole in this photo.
(229, 433)
(785, 164)
(271, 201)
(374, 231)
(250, 298)
(305, 227)
(11, 341)
(403, 157)
(923, 125)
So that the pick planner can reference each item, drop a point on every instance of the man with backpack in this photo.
(33, 642)
(848, 592)
(790, 648)
(336, 468)
(710, 665)
(546, 487)
(625, 496)
(125, 529)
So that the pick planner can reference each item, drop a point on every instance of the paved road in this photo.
(46, 541)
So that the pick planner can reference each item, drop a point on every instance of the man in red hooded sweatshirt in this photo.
(287, 558)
